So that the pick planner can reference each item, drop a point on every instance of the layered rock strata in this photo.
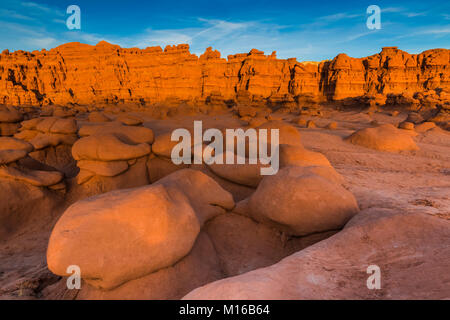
(106, 73)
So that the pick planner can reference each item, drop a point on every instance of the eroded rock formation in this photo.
(106, 73)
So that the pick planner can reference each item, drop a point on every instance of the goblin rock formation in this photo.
(106, 73)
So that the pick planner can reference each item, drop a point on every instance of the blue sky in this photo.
(307, 30)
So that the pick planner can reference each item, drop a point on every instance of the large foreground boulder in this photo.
(123, 235)
(199, 267)
(128, 234)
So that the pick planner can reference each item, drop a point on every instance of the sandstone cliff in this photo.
(106, 73)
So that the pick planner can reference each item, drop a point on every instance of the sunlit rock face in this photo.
(107, 73)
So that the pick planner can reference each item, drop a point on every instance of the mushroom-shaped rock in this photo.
(108, 147)
(104, 168)
(205, 195)
(57, 125)
(44, 140)
(301, 202)
(64, 126)
(123, 235)
(385, 137)
(9, 143)
(250, 174)
(45, 124)
(26, 135)
(164, 145)
(12, 149)
(31, 124)
(10, 115)
(52, 139)
(128, 133)
(36, 178)
(8, 156)
(48, 132)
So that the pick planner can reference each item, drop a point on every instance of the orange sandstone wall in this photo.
(106, 73)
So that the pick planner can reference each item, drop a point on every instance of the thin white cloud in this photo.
(415, 14)
(339, 16)
(6, 13)
(59, 21)
(359, 35)
(392, 9)
(404, 12)
(438, 31)
(431, 31)
(220, 28)
(42, 8)
(22, 30)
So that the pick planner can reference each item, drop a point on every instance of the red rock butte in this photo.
(106, 73)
